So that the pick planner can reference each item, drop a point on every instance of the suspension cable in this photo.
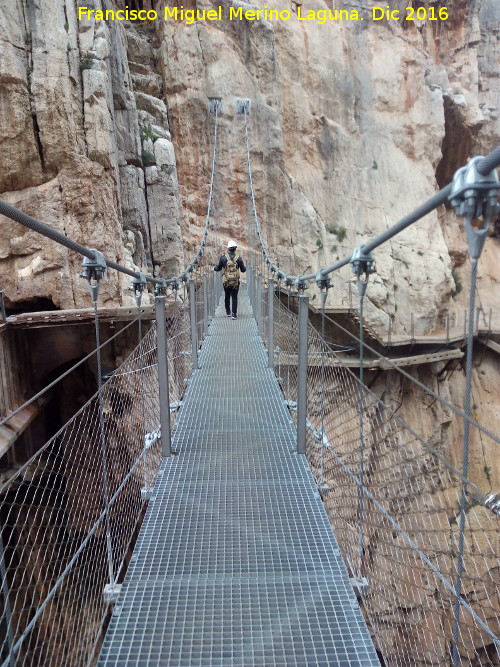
(465, 461)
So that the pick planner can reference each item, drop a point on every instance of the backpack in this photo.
(231, 275)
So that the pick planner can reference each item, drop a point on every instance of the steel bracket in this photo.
(214, 104)
(324, 490)
(360, 586)
(93, 271)
(146, 493)
(111, 592)
(242, 106)
(474, 195)
(138, 286)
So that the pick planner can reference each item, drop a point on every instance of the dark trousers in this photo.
(231, 295)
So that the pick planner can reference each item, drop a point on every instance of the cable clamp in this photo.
(324, 284)
(300, 284)
(161, 287)
(93, 271)
(214, 104)
(138, 286)
(152, 438)
(474, 196)
(363, 264)
(492, 502)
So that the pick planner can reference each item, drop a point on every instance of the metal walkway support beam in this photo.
(302, 374)
(161, 340)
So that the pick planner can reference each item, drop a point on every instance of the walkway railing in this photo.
(70, 515)
(393, 498)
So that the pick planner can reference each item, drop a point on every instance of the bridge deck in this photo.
(236, 563)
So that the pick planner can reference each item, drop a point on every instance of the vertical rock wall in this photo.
(85, 148)
(105, 134)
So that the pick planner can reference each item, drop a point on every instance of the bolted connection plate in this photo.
(215, 104)
(242, 106)
(111, 592)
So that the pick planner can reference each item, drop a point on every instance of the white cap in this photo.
(232, 244)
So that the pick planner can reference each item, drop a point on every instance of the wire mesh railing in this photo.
(394, 504)
(70, 515)
(60, 534)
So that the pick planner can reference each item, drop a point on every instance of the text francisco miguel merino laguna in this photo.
(189, 16)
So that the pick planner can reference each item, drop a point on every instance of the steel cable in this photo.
(465, 458)
(103, 449)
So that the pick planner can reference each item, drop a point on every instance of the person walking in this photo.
(231, 264)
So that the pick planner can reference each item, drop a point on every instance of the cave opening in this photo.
(457, 142)
(36, 305)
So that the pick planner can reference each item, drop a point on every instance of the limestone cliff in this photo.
(105, 133)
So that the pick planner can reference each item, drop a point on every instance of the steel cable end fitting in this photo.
(93, 271)
(474, 195)
(363, 264)
(138, 286)
(324, 284)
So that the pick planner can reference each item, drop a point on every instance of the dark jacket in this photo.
(223, 261)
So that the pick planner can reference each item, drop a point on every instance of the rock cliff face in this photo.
(105, 134)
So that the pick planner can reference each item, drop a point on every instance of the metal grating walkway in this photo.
(236, 563)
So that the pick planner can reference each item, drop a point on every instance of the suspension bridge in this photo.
(238, 493)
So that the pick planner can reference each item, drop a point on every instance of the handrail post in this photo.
(258, 302)
(194, 335)
(161, 342)
(270, 323)
(205, 305)
(210, 295)
(250, 285)
(302, 374)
